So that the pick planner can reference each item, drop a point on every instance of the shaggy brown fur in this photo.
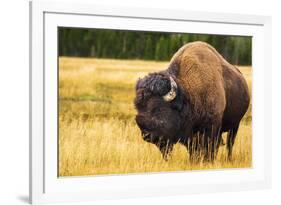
(218, 91)
(199, 71)
(212, 98)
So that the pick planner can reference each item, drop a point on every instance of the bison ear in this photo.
(179, 102)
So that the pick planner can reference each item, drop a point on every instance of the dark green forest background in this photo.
(100, 43)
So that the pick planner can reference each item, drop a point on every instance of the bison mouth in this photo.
(146, 136)
(149, 137)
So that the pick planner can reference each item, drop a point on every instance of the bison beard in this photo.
(197, 98)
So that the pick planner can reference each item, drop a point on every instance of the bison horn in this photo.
(173, 92)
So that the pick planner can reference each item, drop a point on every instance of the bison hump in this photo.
(200, 72)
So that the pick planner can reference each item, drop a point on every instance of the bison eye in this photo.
(157, 110)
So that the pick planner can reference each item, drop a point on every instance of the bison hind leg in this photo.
(231, 135)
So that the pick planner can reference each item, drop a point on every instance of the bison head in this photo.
(159, 102)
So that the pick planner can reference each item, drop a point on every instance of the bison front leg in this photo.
(165, 148)
(194, 147)
(212, 140)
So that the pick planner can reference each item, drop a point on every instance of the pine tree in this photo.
(161, 49)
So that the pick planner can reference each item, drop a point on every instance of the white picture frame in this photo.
(45, 186)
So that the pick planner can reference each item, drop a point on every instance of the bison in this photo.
(197, 98)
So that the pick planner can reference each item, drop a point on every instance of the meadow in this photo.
(97, 131)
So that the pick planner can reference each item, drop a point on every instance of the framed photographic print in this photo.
(129, 102)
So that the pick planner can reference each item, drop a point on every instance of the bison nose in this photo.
(140, 121)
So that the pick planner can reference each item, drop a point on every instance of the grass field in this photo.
(97, 130)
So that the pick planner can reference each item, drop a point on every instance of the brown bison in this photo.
(197, 98)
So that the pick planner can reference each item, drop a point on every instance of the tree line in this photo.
(160, 46)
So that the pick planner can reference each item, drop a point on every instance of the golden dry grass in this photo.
(97, 131)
